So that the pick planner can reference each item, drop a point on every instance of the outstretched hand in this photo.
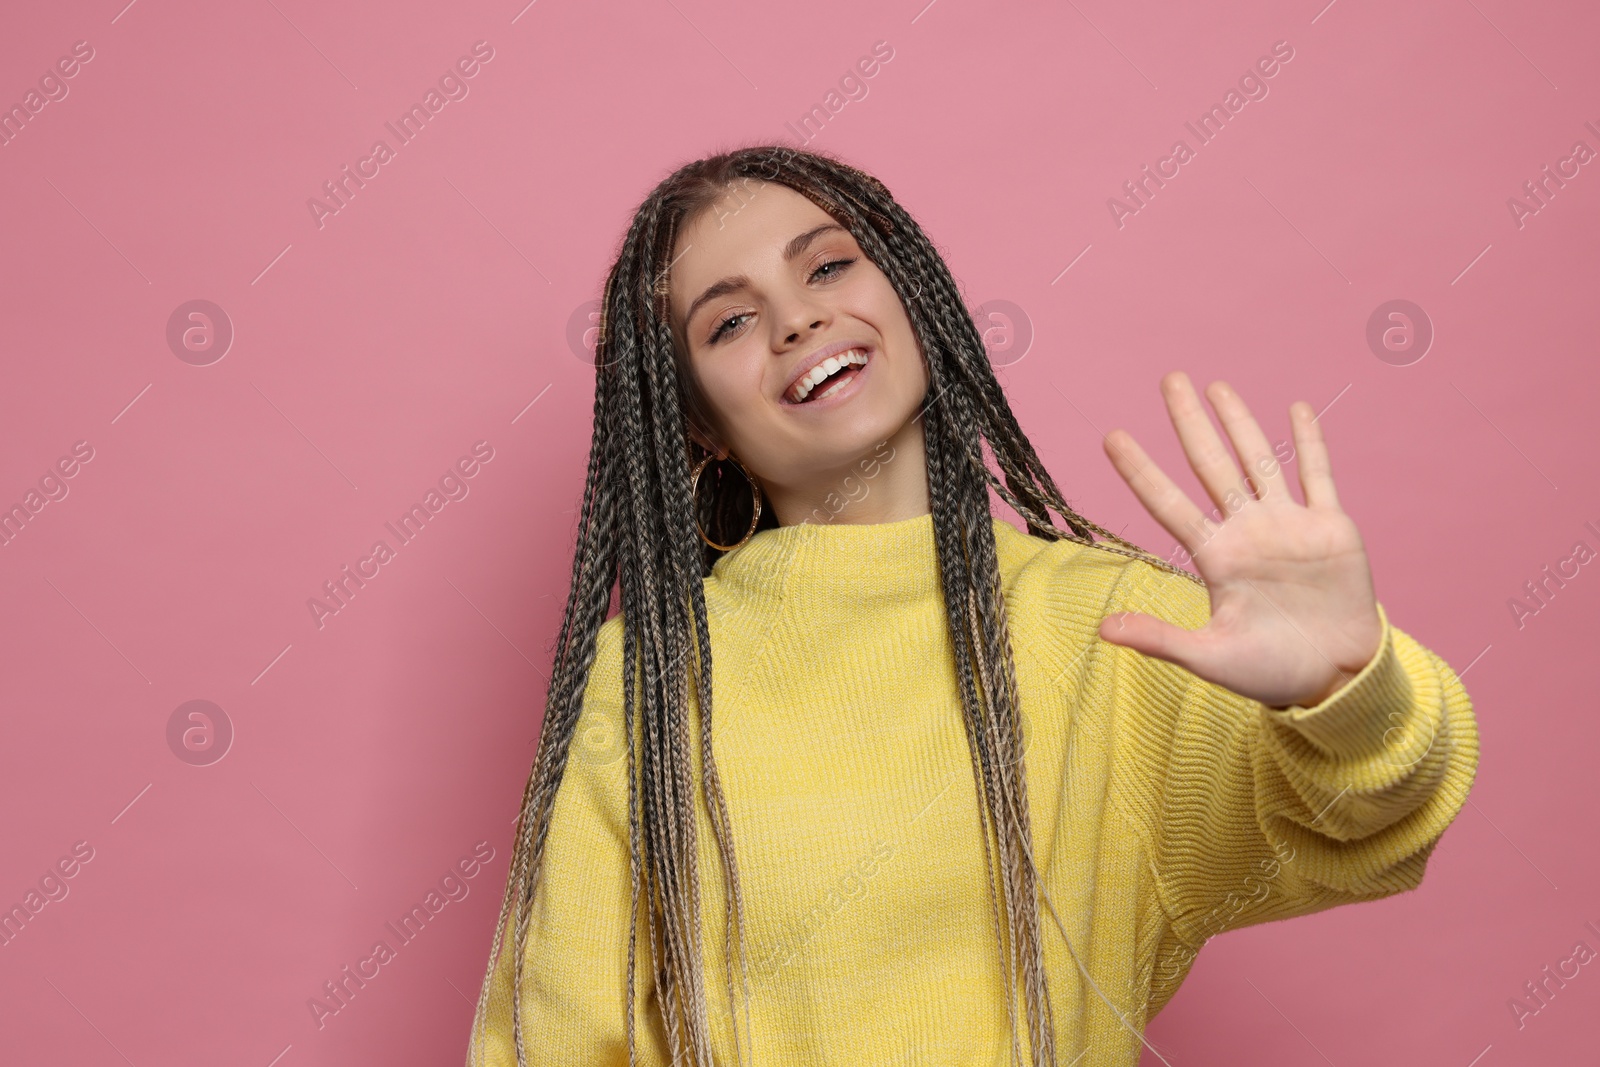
(1293, 614)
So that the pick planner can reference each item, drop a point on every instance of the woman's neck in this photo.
(886, 483)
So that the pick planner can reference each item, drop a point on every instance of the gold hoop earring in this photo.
(755, 508)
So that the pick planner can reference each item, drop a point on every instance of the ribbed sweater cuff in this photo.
(1370, 713)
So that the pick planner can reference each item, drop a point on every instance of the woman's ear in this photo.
(704, 441)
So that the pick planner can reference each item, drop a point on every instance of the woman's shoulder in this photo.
(1066, 582)
(1024, 555)
(609, 638)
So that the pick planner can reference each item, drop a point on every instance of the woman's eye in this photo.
(724, 325)
(840, 263)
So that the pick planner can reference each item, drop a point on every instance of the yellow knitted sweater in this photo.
(1164, 809)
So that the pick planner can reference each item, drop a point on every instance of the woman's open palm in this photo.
(1293, 613)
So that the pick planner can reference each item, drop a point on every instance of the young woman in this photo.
(879, 732)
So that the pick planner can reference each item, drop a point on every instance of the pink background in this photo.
(373, 752)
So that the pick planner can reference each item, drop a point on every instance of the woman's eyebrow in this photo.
(733, 283)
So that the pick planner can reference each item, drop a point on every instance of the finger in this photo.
(1209, 458)
(1263, 472)
(1160, 496)
(1316, 473)
(1151, 636)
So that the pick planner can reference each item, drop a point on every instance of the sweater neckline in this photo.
(897, 559)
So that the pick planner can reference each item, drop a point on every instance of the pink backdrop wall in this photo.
(348, 361)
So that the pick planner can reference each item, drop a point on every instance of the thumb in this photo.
(1149, 635)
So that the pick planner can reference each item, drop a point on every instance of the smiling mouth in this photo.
(828, 377)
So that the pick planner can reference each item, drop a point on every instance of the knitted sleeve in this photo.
(574, 980)
(1251, 814)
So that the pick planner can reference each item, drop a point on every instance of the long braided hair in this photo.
(638, 526)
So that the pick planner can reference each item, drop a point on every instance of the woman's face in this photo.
(762, 283)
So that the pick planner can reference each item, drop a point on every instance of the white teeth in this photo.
(834, 388)
(808, 382)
